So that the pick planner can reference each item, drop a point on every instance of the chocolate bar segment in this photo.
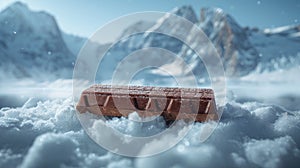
(171, 103)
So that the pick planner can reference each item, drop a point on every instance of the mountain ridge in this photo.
(33, 44)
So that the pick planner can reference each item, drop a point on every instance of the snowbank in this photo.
(249, 134)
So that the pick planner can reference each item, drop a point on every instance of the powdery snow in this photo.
(249, 134)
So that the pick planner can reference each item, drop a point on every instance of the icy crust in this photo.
(48, 133)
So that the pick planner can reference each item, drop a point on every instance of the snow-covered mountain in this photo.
(33, 46)
(238, 54)
(278, 48)
(243, 50)
(151, 39)
(73, 42)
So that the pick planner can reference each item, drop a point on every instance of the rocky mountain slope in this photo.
(33, 46)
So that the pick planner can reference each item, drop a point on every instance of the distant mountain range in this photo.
(33, 46)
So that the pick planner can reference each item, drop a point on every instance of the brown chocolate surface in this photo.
(171, 103)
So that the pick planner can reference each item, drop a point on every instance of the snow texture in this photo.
(48, 134)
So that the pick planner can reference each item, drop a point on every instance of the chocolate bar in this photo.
(170, 102)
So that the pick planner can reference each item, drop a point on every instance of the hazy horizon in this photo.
(83, 19)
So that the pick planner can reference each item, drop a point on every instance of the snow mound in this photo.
(249, 134)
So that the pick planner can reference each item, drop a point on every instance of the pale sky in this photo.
(82, 17)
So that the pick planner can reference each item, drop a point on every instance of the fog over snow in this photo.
(251, 133)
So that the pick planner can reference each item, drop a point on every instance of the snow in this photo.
(31, 45)
(278, 50)
(47, 132)
(73, 42)
(186, 12)
(295, 35)
(35, 38)
(239, 56)
(272, 153)
(278, 29)
(49, 145)
(39, 128)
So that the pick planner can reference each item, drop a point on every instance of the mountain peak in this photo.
(216, 19)
(214, 14)
(19, 18)
(231, 40)
(29, 38)
(18, 6)
(213, 11)
(186, 12)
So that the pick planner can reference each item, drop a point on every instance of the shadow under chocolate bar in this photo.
(172, 103)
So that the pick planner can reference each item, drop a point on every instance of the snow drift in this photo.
(43, 134)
